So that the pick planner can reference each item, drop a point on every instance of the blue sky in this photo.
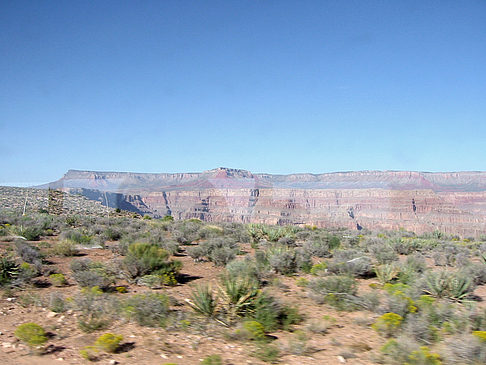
(267, 86)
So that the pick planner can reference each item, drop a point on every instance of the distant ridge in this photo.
(452, 202)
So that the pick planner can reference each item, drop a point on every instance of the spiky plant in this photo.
(8, 270)
(451, 285)
(386, 273)
(238, 295)
(203, 300)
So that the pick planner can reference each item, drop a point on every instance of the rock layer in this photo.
(452, 202)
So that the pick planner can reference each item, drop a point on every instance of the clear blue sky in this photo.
(267, 86)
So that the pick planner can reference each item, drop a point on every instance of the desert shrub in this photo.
(388, 324)
(399, 299)
(350, 262)
(32, 233)
(386, 273)
(150, 310)
(297, 344)
(339, 291)
(76, 236)
(273, 314)
(282, 259)
(475, 271)
(321, 326)
(57, 303)
(186, 232)
(252, 331)
(219, 250)
(26, 273)
(411, 268)
(207, 232)
(144, 259)
(420, 328)
(237, 231)
(31, 334)
(203, 300)
(287, 241)
(170, 246)
(108, 342)
(58, 280)
(267, 353)
(243, 268)
(319, 268)
(88, 273)
(198, 253)
(96, 308)
(447, 254)
(423, 356)
(29, 254)
(212, 360)
(446, 284)
(221, 256)
(304, 260)
(383, 253)
(465, 349)
(404, 246)
(64, 248)
(112, 234)
(9, 270)
(397, 351)
(157, 281)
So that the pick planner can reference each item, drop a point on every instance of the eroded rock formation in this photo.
(418, 201)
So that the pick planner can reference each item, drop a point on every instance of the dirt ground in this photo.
(349, 338)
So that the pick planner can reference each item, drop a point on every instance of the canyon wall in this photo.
(453, 203)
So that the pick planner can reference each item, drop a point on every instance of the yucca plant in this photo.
(451, 285)
(203, 300)
(8, 270)
(238, 295)
(256, 232)
(386, 273)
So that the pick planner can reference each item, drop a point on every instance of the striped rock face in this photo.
(453, 202)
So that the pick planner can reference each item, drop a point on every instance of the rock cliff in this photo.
(452, 202)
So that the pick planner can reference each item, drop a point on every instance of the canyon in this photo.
(449, 202)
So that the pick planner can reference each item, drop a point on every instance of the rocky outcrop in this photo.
(419, 201)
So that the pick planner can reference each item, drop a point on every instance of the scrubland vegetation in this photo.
(278, 293)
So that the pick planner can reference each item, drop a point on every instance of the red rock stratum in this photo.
(451, 202)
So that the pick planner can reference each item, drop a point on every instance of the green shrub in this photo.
(350, 262)
(145, 259)
(481, 335)
(388, 324)
(58, 280)
(32, 334)
(64, 248)
(150, 310)
(57, 303)
(96, 309)
(32, 233)
(88, 273)
(108, 342)
(212, 360)
(339, 291)
(318, 268)
(272, 314)
(267, 353)
(282, 259)
(252, 330)
(423, 356)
